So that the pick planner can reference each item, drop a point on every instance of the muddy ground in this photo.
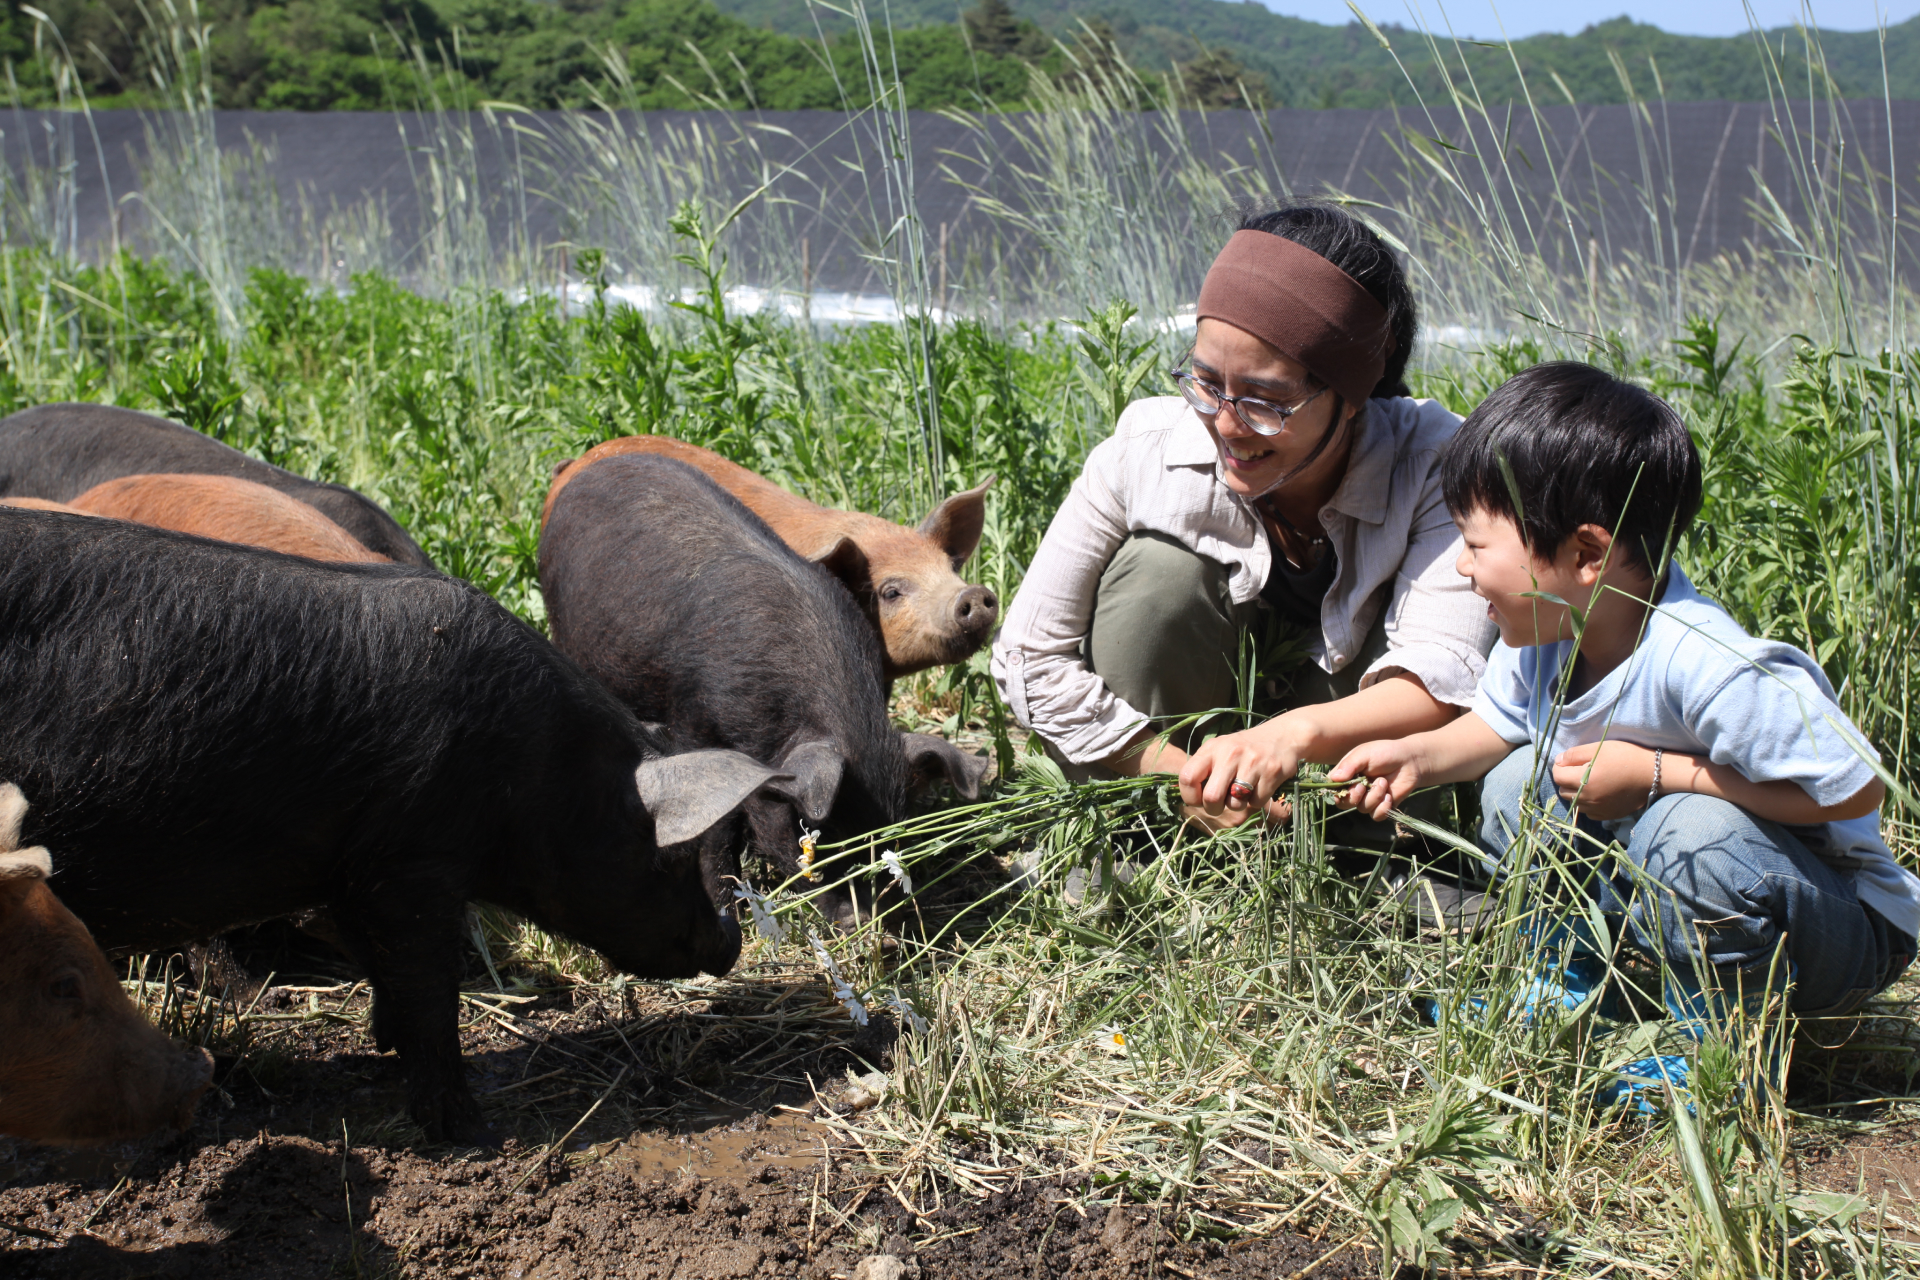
(644, 1135)
(651, 1130)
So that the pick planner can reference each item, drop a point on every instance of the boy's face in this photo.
(1502, 568)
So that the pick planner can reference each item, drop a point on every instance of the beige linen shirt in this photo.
(1397, 546)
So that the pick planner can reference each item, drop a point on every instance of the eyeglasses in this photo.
(1262, 416)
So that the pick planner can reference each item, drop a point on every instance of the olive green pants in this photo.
(1167, 637)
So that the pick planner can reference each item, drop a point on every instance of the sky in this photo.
(1530, 17)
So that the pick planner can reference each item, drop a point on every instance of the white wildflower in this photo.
(1110, 1038)
(768, 925)
(904, 1008)
(842, 990)
(892, 859)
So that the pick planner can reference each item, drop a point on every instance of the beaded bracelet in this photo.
(1653, 793)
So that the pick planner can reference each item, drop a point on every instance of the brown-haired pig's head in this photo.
(78, 1064)
(909, 580)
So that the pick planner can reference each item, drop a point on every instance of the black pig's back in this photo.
(211, 734)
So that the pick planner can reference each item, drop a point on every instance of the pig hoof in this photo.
(482, 1136)
(454, 1119)
(469, 1134)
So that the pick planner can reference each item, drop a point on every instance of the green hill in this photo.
(321, 54)
(1311, 64)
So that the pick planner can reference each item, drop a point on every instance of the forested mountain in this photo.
(1311, 64)
(314, 55)
(783, 54)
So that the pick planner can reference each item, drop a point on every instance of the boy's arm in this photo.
(1612, 780)
(1388, 771)
(1268, 755)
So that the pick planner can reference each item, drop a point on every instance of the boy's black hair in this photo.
(1354, 248)
(1579, 447)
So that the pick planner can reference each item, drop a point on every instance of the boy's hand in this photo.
(1385, 773)
(1606, 780)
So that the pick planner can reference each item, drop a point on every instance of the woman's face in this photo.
(1241, 365)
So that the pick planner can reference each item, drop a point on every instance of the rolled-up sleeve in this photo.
(1037, 662)
(1437, 629)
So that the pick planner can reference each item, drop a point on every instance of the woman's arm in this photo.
(1436, 628)
(1036, 661)
(1267, 755)
(1612, 779)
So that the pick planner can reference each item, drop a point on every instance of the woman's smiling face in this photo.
(1241, 365)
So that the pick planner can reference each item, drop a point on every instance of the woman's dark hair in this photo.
(1563, 445)
(1352, 246)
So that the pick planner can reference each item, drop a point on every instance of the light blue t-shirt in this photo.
(1698, 683)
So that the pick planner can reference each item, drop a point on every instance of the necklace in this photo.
(1272, 509)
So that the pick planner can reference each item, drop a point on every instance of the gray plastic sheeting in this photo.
(1708, 161)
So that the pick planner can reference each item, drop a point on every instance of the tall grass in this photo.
(1230, 1034)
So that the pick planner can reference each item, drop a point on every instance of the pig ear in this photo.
(690, 792)
(19, 865)
(955, 525)
(816, 769)
(930, 756)
(846, 562)
(13, 808)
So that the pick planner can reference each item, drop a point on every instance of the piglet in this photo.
(216, 735)
(62, 451)
(906, 581)
(228, 509)
(78, 1064)
(697, 616)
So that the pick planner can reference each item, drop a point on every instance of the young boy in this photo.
(1719, 761)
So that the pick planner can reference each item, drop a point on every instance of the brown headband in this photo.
(1294, 300)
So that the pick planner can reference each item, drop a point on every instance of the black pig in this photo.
(216, 735)
(695, 613)
(62, 451)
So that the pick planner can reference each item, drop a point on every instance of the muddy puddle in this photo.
(739, 1148)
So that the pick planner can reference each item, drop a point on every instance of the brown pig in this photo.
(227, 508)
(906, 580)
(78, 1064)
(42, 505)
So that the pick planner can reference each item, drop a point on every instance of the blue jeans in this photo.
(1703, 881)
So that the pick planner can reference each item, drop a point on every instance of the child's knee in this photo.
(1695, 834)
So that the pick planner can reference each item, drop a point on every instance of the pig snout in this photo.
(974, 612)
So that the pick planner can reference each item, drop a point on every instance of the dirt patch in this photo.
(1885, 1162)
(1854, 1080)
(288, 1205)
(302, 1164)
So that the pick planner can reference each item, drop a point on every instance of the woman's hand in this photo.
(1385, 773)
(1606, 780)
(1265, 758)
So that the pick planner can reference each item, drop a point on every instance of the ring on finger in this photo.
(1241, 790)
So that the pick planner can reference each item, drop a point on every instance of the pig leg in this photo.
(409, 944)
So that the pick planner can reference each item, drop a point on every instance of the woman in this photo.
(1292, 473)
